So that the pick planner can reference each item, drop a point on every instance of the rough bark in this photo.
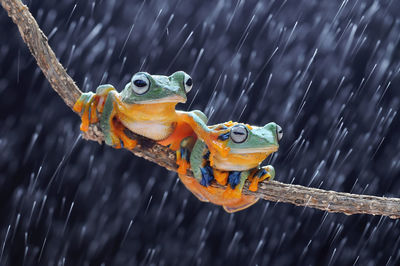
(63, 84)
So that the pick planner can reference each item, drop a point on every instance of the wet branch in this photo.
(63, 84)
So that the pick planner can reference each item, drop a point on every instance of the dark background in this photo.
(326, 71)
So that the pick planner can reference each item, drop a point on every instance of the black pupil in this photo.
(189, 82)
(239, 133)
(140, 83)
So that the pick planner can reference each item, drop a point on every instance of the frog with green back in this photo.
(146, 107)
(230, 153)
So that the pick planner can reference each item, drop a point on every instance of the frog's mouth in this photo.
(169, 99)
(267, 151)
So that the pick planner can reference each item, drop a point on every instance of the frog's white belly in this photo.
(152, 130)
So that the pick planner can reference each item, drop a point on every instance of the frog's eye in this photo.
(140, 83)
(239, 133)
(187, 83)
(279, 132)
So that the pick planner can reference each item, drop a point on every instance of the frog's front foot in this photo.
(265, 172)
(90, 104)
(221, 176)
(86, 106)
(234, 189)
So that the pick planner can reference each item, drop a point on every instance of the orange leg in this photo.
(208, 136)
(118, 129)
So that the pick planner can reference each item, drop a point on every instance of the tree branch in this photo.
(63, 84)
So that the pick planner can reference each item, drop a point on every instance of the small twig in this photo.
(63, 84)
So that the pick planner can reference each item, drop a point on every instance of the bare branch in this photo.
(63, 84)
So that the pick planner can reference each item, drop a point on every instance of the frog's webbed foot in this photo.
(183, 154)
(265, 172)
(236, 182)
(90, 104)
(86, 106)
(221, 176)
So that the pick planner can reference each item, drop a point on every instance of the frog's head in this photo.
(147, 89)
(249, 139)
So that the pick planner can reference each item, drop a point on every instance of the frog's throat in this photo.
(170, 99)
(267, 150)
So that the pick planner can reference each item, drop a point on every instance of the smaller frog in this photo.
(241, 149)
(146, 107)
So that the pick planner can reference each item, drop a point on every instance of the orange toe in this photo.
(183, 166)
(78, 106)
(93, 113)
(254, 184)
(85, 120)
(221, 177)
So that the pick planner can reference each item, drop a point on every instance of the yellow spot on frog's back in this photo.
(228, 124)
(249, 127)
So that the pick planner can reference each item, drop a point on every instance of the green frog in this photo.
(237, 152)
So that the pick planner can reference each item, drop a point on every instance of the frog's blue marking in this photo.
(261, 173)
(234, 178)
(224, 136)
(207, 175)
(90, 113)
(222, 127)
(184, 154)
(206, 156)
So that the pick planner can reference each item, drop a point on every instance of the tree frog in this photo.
(146, 107)
(241, 149)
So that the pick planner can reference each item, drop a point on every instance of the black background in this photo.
(326, 71)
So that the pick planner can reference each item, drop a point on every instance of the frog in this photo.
(241, 149)
(146, 106)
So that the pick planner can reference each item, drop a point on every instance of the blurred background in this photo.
(326, 71)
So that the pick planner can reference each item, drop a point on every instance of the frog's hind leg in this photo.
(265, 172)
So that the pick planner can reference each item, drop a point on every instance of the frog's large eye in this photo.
(187, 83)
(239, 133)
(279, 132)
(140, 83)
